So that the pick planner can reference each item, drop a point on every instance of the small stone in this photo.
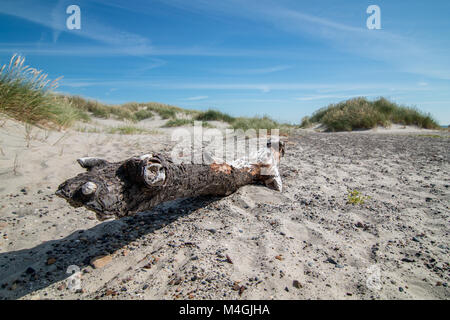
(51, 261)
(100, 261)
(148, 266)
(176, 281)
(61, 287)
(349, 294)
(400, 289)
(228, 259)
(279, 257)
(297, 284)
(331, 260)
(241, 290)
(110, 292)
(359, 225)
(30, 270)
(427, 199)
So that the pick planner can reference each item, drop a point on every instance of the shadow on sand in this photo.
(25, 271)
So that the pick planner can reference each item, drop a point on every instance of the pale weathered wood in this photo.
(138, 184)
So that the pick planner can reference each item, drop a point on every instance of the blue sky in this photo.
(281, 58)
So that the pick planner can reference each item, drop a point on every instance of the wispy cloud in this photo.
(196, 98)
(317, 90)
(52, 16)
(400, 51)
(335, 96)
(254, 71)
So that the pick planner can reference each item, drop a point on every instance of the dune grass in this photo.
(127, 129)
(360, 113)
(25, 95)
(214, 115)
(179, 123)
(255, 123)
(185, 122)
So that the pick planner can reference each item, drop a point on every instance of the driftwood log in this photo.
(140, 183)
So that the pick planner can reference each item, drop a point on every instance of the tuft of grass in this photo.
(214, 115)
(306, 122)
(143, 114)
(185, 122)
(360, 113)
(88, 129)
(127, 129)
(179, 123)
(355, 197)
(166, 111)
(255, 123)
(432, 136)
(100, 110)
(25, 95)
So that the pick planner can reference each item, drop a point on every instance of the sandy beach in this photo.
(307, 242)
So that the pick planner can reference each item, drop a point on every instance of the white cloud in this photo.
(196, 98)
(334, 96)
(254, 71)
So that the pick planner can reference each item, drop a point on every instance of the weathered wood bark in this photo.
(137, 184)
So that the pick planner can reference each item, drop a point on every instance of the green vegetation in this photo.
(258, 123)
(127, 129)
(143, 114)
(185, 122)
(100, 110)
(360, 113)
(179, 123)
(214, 115)
(255, 123)
(166, 111)
(355, 197)
(25, 96)
(436, 136)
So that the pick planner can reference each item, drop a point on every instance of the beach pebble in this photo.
(100, 261)
(297, 284)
